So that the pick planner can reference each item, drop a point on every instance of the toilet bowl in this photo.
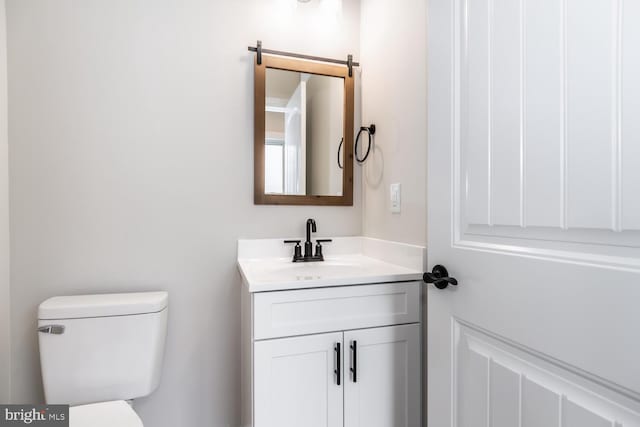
(99, 351)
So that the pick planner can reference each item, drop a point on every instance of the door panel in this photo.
(629, 108)
(542, 91)
(504, 112)
(295, 384)
(544, 103)
(591, 112)
(505, 384)
(540, 406)
(386, 390)
(533, 150)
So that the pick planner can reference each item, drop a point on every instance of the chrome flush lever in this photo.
(52, 329)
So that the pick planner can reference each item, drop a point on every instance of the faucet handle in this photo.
(297, 250)
(319, 243)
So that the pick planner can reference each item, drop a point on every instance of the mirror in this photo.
(304, 127)
(303, 132)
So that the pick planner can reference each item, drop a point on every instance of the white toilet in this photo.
(99, 351)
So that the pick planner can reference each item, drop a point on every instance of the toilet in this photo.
(99, 352)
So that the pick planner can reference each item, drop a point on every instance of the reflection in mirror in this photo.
(303, 131)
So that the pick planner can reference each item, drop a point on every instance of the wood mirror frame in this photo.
(302, 66)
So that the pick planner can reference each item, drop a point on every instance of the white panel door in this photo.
(382, 383)
(534, 189)
(295, 383)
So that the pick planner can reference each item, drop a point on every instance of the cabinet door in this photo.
(382, 384)
(295, 383)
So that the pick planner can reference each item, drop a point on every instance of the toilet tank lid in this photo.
(104, 305)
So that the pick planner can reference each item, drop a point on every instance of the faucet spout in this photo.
(308, 246)
(311, 226)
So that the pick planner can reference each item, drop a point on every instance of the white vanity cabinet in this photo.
(333, 356)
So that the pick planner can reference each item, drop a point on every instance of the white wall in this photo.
(5, 369)
(394, 97)
(131, 169)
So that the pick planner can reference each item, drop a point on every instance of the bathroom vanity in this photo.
(332, 343)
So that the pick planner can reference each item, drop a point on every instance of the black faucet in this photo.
(308, 256)
(308, 246)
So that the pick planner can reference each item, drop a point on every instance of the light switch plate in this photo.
(396, 200)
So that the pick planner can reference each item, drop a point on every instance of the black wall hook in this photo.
(372, 129)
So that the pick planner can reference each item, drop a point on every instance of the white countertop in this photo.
(348, 261)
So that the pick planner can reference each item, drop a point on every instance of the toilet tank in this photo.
(96, 348)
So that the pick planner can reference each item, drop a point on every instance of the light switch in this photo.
(395, 198)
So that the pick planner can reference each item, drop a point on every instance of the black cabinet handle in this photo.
(354, 363)
(337, 371)
(439, 276)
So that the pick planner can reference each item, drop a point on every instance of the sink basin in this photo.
(316, 265)
(279, 269)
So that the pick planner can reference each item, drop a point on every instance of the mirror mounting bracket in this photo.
(350, 63)
(259, 52)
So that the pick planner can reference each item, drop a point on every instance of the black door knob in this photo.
(439, 276)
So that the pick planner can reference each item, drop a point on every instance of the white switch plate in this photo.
(395, 193)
